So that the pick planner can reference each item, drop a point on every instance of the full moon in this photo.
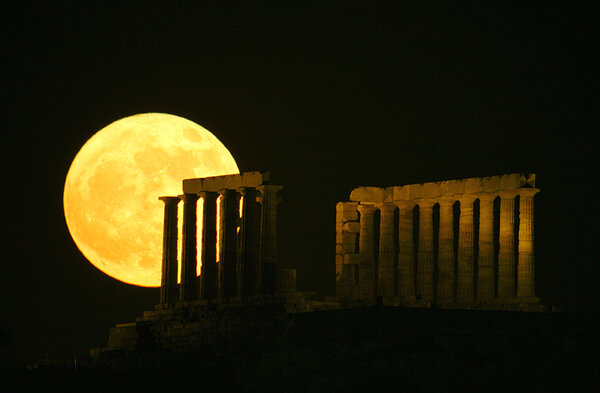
(111, 191)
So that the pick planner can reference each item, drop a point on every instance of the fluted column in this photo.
(208, 272)
(465, 290)
(506, 254)
(188, 289)
(406, 256)
(248, 243)
(168, 282)
(485, 260)
(446, 280)
(387, 252)
(268, 238)
(230, 218)
(366, 272)
(526, 264)
(425, 250)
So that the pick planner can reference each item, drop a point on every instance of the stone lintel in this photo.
(371, 194)
(216, 183)
(473, 185)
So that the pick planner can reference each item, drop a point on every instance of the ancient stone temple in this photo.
(241, 292)
(238, 240)
(456, 243)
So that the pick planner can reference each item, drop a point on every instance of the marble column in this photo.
(406, 256)
(268, 239)
(248, 242)
(387, 252)
(465, 279)
(230, 218)
(425, 250)
(208, 272)
(506, 253)
(168, 283)
(485, 260)
(188, 288)
(526, 262)
(366, 270)
(446, 280)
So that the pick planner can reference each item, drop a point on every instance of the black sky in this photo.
(327, 97)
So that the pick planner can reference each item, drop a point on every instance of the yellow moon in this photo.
(111, 191)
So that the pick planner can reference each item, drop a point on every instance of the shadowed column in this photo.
(406, 256)
(526, 266)
(485, 261)
(446, 278)
(208, 273)
(465, 274)
(168, 282)
(366, 271)
(506, 254)
(268, 239)
(230, 217)
(248, 238)
(425, 250)
(189, 290)
(387, 252)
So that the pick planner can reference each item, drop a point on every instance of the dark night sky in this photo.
(328, 98)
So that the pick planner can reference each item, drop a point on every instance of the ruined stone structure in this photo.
(457, 243)
(240, 214)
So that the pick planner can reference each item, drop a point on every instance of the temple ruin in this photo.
(239, 222)
(457, 243)
(453, 244)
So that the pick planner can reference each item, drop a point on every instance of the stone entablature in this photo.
(216, 183)
(240, 213)
(474, 185)
(457, 242)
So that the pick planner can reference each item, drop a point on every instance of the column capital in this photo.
(486, 196)
(269, 188)
(446, 200)
(530, 192)
(465, 198)
(508, 194)
(168, 200)
(387, 207)
(208, 194)
(425, 202)
(245, 190)
(187, 198)
(405, 203)
(365, 208)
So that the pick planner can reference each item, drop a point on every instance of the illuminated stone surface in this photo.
(462, 269)
(366, 273)
(485, 261)
(446, 276)
(406, 268)
(526, 268)
(387, 251)
(425, 251)
(466, 255)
